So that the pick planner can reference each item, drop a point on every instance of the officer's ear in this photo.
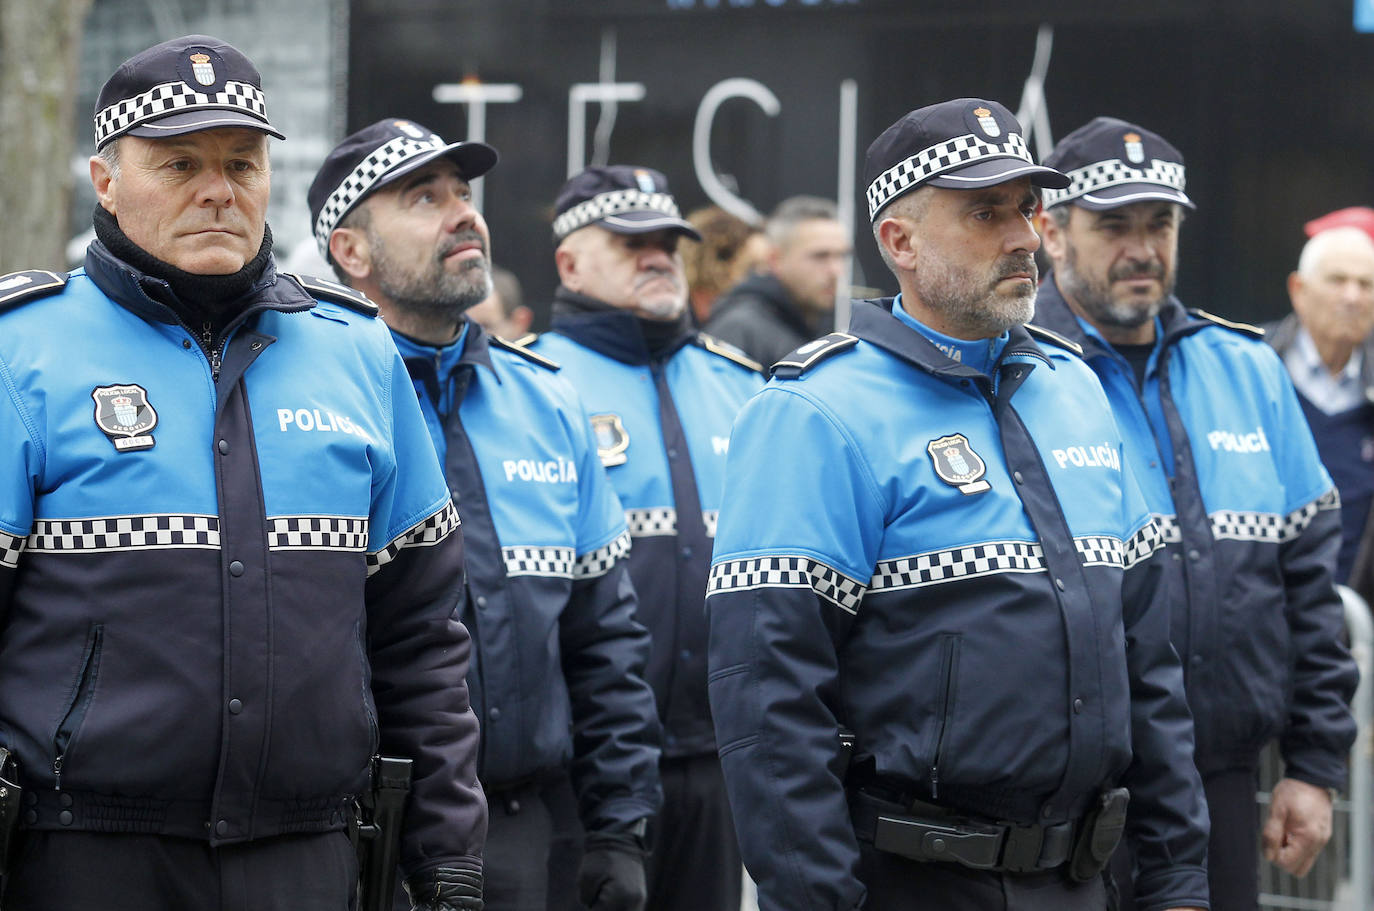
(349, 248)
(897, 234)
(102, 179)
(565, 258)
(1052, 234)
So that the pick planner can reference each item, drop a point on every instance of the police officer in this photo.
(559, 657)
(930, 539)
(228, 563)
(1251, 520)
(662, 397)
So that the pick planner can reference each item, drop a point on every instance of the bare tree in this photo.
(40, 45)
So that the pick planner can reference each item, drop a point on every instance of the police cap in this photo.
(181, 86)
(626, 199)
(1113, 163)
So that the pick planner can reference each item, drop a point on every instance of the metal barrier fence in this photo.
(1341, 878)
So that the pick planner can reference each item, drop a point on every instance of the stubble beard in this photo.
(1096, 300)
(971, 304)
(434, 292)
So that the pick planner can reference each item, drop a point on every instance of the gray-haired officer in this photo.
(953, 563)
(228, 558)
(1227, 464)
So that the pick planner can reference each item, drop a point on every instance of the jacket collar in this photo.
(127, 286)
(434, 365)
(872, 321)
(610, 331)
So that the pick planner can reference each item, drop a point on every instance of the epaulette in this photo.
(1054, 338)
(1244, 328)
(335, 293)
(728, 351)
(807, 356)
(18, 287)
(518, 347)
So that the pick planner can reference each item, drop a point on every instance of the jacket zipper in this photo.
(76, 709)
(949, 666)
(207, 342)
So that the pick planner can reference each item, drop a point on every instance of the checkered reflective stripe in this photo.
(957, 563)
(612, 203)
(10, 546)
(599, 562)
(108, 533)
(172, 98)
(1113, 171)
(1144, 543)
(362, 178)
(426, 533)
(1169, 531)
(708, 518)
(317, 533)
(1100, 550)
(954, 153)
(538, 561)
(787, 572)
(647, 523)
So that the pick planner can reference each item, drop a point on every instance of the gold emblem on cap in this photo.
(1135, 150)
(987, 122)
(202, 69)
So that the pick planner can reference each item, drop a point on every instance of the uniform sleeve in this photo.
(18, 479)
(616, 732)
(418, 648)
(795, 546)
(1320, 728)
(1167, 821)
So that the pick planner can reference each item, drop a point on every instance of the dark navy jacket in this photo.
(558, 658)
(962, 572)
(1227, 464)
(220, 598)
(663, 424)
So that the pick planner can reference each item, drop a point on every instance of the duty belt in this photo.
(938, 835)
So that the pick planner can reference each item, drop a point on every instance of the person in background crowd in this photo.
(730, 249)
(503, 314)
(662, 397)
(558, 657)
(1250, 518)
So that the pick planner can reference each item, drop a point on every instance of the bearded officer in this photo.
(229, 563)
(559, 658)
(950, 563)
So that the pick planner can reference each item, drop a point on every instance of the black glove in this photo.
(611, 877)
(447, 889)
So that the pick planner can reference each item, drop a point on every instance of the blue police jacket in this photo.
(558, 657)
(662, 421)
(222, 594)
(957, 568)
(1251, 522)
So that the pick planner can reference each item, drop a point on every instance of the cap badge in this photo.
(987, 122)
(645, 180)
(957, 464)
(202, 69)
(1135, 150)
(611, 439)
(410, 129)
(124, 414)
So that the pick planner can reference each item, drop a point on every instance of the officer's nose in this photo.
(460, 214)
(215, 188)
(1022, 237)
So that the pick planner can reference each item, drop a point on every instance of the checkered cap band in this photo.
(954, 153)
(109, 533)
(173, 98)
(614, 202)
(425, 533)
(317, 533)
(363, 178)
(10, 546)
(787, 572)
(1114, 171)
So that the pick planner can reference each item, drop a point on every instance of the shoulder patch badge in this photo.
(1054, 338)
(518, 347)
(1243, 328)
(611, 439)
(957, 464)
(812, 353)
(21, 286)
(728, 351)
(334, 292)
(124, 414)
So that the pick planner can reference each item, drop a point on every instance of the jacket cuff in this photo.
(1316, 767)
(1177, 886)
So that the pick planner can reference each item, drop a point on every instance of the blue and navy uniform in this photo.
(1251, 524)
(663, 423)
(955, 566)
(558, 659)
(225, 582)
